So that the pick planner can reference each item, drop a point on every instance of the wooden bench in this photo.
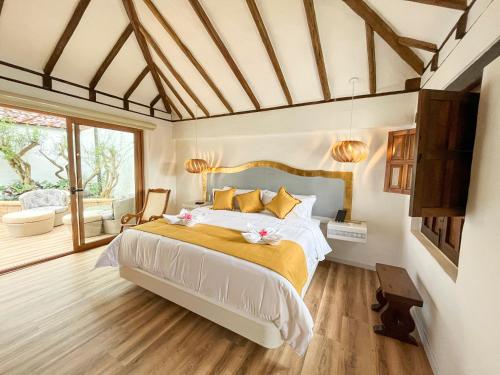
(395, 296)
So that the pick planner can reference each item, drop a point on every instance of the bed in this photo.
(244, 297)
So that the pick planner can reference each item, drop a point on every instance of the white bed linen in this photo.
(251, 288)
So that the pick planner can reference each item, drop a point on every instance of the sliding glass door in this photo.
(106, 179)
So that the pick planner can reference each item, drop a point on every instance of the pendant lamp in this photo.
(196, 165)
(350, 151)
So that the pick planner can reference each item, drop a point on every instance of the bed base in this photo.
(259, 331)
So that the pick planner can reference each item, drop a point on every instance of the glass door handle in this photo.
(74, 190)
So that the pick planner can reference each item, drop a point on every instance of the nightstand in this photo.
(194, 204)
(354, 231)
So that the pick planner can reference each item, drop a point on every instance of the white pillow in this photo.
(238, 191)
(303, 209)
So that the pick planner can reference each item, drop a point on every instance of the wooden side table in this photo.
(396, 295)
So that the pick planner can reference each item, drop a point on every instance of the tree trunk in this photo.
(22, 169)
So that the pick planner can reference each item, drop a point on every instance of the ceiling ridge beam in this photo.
(370, 51)
(66, 36)
(174, 72)
(111, 56)
(134, 21)
(416, 43)
(387, 33)
(316, 44)
(452, 4)
(169, 29)
(224, 51)
(261, 27)
(136, 82)
(174, 91)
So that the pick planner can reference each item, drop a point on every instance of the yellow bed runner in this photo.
(287, 258)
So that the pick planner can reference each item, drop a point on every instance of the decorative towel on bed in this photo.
(287, 258)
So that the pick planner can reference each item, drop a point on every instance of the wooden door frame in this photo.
(72, 125)
(139, 178)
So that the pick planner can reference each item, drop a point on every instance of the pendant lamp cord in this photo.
(352, 108)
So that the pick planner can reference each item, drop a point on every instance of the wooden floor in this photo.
(63, 317)
(18, 251)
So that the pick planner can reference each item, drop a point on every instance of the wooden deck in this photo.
(15, 252)
(63, 317)
(18, 251)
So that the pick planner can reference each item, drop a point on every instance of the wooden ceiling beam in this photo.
(370, 51)
(174, 91)
(136, 83)
(261, 27)
(155, 100)
(385, 31)
(134, 21)
(224, 51)
(172, 104)
(462, 26)
(415, 43)
(66, 36)
(452, 4)
(152, 104)
(316, 44)
(110, 57)
(172, 70)
(187, 52)
(1, 6)
(413, 83)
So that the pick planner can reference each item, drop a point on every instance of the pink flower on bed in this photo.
(263, 233)
(187, 216)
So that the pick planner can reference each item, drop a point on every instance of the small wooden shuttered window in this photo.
(400, 160)
(445, 233)
(446, 126)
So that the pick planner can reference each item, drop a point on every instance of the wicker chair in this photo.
(155, 206)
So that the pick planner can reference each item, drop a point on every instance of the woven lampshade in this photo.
(350, 151)
(195, 165)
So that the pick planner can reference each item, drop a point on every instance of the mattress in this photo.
(248, 287)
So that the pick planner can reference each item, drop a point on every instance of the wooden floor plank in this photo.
(63, 316)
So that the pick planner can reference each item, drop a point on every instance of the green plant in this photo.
(62, 184)
(13, 191)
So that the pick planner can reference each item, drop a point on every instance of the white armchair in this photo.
(46, 199)
(112, 218)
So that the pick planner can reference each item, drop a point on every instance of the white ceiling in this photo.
(30, 29)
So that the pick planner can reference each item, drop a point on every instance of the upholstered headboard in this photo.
(333, 189)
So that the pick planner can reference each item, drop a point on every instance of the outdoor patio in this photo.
(15, 252)
(18, 251)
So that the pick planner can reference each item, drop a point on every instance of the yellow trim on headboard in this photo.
(345, 176)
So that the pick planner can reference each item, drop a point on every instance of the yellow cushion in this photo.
(282, 204)
(250, 202)
(223, 199)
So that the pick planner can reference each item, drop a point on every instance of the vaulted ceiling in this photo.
(198, 58)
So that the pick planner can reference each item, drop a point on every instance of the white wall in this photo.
(302, 137)
(460, 319)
